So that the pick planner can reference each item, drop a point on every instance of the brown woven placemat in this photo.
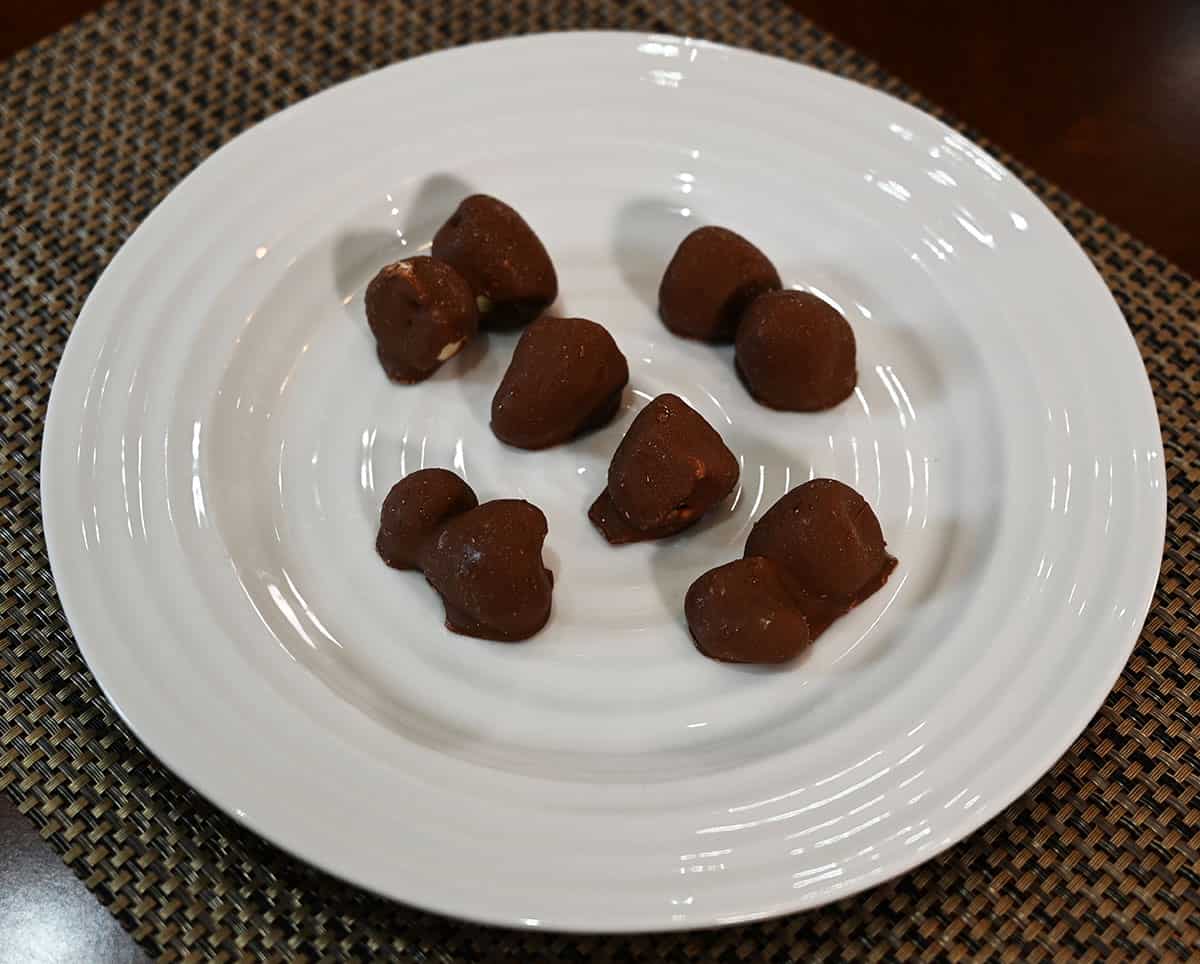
(1097, 862)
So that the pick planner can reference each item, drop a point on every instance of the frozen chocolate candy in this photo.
(486, 564)
(421, 312)
(742, 613)
(415, 508)
(670, 468)
(565, 377)
(826, 540)
(795, 351)
(711, 279)
(503, 261)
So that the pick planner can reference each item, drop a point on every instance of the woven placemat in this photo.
(1097, 862)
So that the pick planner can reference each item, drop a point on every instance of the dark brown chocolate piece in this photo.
(504, 262)
(670, 468)
(827, 542)
(796, 352)
(741, 612)
(487, 566)
(712, 278)
(415, 509)
(565, 378)
(421, 312)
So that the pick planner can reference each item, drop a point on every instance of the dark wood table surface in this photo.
(1101, 97)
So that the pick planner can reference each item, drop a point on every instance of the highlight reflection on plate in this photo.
(221, 437)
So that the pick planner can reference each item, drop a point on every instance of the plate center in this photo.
(307, 435)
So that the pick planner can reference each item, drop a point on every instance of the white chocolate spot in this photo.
(483, 303)
(396, 268)
(451, 350)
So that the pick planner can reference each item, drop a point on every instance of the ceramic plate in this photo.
(221, 437)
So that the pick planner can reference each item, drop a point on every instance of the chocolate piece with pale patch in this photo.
(422, 313)
(502, 259)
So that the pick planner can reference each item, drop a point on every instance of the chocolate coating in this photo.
(486, 564)
(421, 312)
(565, 377)
(713, 276)
(827, 541)
(670, 468)
(741, 612)
(415, 509)
(504, 262)
(795, 351)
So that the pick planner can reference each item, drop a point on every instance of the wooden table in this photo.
(1100, 96)
(1103, 98)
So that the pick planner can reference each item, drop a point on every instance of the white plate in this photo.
(221, 436)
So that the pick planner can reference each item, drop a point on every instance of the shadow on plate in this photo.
(646, 233)
(358, 254)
